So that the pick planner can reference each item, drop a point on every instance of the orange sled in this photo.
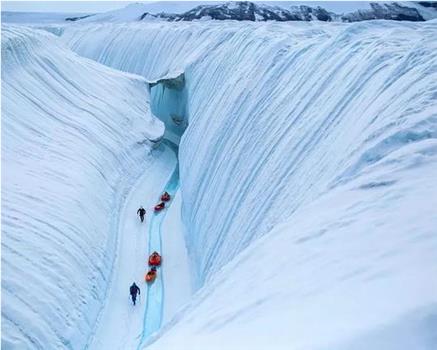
(165, 197)
(159, 207)
(150, 276)
(155, 259)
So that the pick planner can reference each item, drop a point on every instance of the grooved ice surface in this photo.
(306, 175)
(74, 137)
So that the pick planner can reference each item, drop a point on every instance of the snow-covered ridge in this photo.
(397, 11)
(70, 154)
(247, 11)
(307, 177)
(252, 11)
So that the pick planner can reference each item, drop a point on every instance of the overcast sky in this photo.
(102, 6)
(63, 6)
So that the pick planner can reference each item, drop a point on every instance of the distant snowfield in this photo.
(37, 18)
(307, 180)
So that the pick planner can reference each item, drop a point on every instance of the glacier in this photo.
(307, 176)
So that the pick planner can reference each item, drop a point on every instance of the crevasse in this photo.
(279, 114)
(307, 177)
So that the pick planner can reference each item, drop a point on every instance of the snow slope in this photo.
(70, 156)
(307, 178)
(267, 11)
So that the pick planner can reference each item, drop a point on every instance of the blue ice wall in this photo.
(168, 100)
(278, 114)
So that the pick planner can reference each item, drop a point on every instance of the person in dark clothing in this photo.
(141, 212)
(134, 290)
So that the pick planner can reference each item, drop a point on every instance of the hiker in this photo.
(141, 212)
(133, 292)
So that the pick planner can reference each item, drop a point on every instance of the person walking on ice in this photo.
(141, 212)
(134, 290)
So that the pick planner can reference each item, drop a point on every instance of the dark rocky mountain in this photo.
(428, 4)
(249, 11)
(390, 11)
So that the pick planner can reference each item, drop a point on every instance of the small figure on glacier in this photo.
(134, 290)
(141, 212)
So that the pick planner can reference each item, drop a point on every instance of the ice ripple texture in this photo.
(74, 136)
(307, 174)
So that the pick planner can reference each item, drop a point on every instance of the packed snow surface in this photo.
(75, 136)
(123, 321)
(307, 178)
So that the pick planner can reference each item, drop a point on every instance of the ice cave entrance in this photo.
(168, 99)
